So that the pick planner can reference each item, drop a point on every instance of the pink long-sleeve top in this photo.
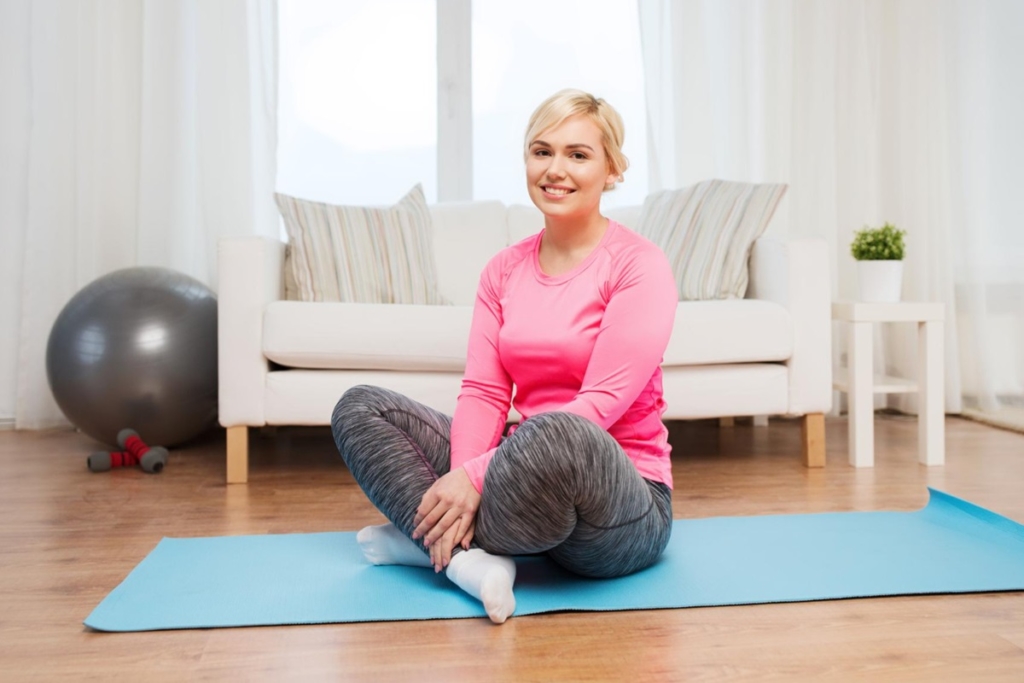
(588, 342)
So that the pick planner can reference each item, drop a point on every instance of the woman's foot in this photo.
(488, 578)
(385, 544)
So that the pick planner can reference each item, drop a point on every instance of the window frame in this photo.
(454, 101)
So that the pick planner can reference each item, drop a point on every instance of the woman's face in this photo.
(567, 170)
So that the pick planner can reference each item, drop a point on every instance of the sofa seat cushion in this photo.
(338, 336)
(729, 331)
(345, 336)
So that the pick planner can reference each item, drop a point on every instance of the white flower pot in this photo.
(879, 281)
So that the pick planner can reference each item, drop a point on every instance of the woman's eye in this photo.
(579, 156)
(540, 152)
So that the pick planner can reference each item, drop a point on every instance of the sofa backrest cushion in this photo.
(625, 215)
(523, 221)
(466, 236)
(359, 254)
(707, 231)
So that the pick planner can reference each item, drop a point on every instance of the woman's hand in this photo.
(441, 549)
(446, 516)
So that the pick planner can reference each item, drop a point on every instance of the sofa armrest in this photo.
(250, 275)
(795, 274)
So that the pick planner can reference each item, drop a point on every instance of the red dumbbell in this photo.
(136, 453)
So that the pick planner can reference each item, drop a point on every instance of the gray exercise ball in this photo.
(137, 349)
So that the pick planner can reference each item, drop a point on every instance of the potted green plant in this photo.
(879, 254)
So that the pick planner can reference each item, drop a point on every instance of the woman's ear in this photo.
(612, 179)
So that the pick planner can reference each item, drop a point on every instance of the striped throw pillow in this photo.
(707, 231)
(355, 254)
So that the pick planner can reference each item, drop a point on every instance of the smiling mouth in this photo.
(557, 191)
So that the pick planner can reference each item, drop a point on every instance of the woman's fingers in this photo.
(468, 537)
(463, 524)
(429, 521)
(428, 503)
(435, 557)
(448, 499)
(459, 532)
(441, 551)
(446, 522)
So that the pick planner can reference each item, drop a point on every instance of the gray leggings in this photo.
(559, 484)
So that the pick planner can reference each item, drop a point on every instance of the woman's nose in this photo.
(556, 169)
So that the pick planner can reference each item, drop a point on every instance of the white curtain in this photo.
(905, 111)
(141, 132)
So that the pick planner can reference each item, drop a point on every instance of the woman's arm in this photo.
(446, 515)
(631, 342)
(486, 394)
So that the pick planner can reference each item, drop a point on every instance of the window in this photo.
(358, 83)
(357, 100)
(524, 52)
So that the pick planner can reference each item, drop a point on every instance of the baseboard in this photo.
(6, 424)
(1011, 418)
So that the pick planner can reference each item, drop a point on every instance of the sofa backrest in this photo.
(468, 234)
(626, 215)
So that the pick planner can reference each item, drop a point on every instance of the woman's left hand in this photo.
(447, 513)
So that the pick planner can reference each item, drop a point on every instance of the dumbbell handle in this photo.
(101, 461)
(130, 440)
(152, 461)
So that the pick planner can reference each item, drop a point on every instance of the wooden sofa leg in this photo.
(812, 437)
(238, 454)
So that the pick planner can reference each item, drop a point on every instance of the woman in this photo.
(577, 319)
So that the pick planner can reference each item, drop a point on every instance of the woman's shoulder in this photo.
(627, 246)
(502, 263)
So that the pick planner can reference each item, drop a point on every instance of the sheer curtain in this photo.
(149, 132)
(872, 111)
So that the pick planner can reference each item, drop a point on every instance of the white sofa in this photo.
(287, 362)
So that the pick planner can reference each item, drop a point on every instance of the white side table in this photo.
(861, 384)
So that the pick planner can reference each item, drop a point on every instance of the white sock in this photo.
(385, 544)
(488, 578)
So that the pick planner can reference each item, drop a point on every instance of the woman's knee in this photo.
(563, 426)
(357, 400)
(601, 559)
(562, 445)
(624, 549)
(561, 433)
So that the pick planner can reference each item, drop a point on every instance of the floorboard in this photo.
(68, 536)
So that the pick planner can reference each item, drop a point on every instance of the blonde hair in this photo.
(570, 102)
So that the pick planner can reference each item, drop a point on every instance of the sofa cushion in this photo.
(523, 221)
(466, 236)
(624, 215)
(362, 254)
(707, 231)
(434, 338)
(302, 334)
(729, 331)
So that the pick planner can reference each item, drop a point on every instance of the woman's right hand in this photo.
(446, 515)
(441, 549)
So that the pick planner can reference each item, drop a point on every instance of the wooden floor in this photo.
(67, 537)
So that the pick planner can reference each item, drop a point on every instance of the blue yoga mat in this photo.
(950, 546)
